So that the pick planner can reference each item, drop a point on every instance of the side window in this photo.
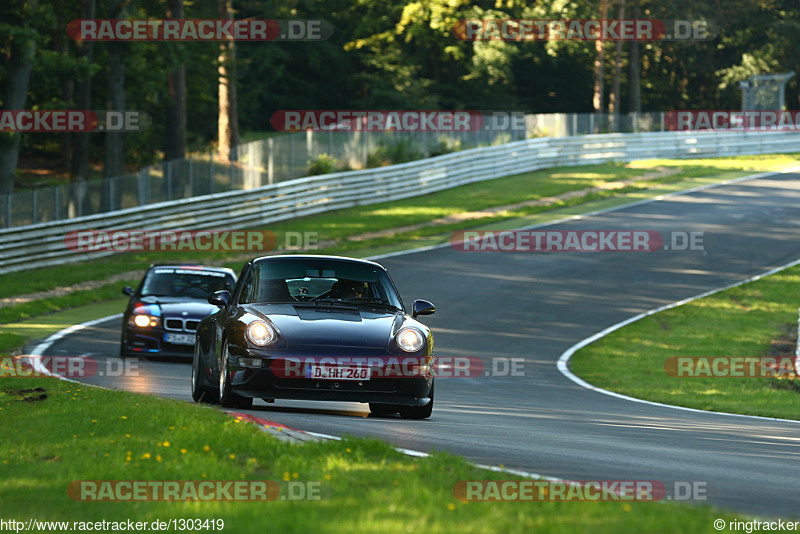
(249, 287)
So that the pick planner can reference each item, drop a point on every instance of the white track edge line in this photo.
(563, 360)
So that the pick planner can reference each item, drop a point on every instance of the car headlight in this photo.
(410, 339)
(260, 333)
(145, 321)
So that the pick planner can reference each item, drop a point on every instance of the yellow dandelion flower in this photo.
(204, 475)
(183, 451)
(327, 476)
(166, 443)
(158, 457)
(206, 448)
(124, 417)
(172, 428)
(94, 420)
(145, 456)
(74, 435)
(348, 449)
(451, 506)
(127, 435)
(232, 456)
(295, 475)
(626, 507)
(286, 477)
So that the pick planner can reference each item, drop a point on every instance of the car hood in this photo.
(172, 307)
(334, 325)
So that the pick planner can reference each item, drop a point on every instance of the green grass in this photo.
(755, 319)
(366, 485)
(341, 224)
(42, 326)
(38, 307)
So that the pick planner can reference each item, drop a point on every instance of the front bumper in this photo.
(151, 342)
(267, 379)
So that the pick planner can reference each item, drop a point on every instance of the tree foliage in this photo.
(383, 54)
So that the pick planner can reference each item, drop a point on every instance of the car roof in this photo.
(316, 257)
(190, 266)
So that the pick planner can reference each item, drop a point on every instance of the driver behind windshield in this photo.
(348, 289)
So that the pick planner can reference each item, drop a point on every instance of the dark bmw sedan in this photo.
(315, 328)
(163, 313)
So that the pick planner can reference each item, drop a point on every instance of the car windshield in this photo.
(319, 281)
(190, 283)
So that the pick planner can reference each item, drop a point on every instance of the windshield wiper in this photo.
(328, 301)
(374, 302)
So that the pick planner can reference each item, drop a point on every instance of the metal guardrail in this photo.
(41, 245)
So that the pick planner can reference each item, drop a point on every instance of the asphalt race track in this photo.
(535, 306)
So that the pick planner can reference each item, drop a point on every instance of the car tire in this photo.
(227, 398)
(201, 391)
(418, 412)
(379, 408)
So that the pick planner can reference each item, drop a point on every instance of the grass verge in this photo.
(752, 320)
(366, 485)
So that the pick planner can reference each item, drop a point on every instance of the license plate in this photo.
(330, 372)
(180, 339)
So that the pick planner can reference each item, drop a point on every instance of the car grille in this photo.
(177, 324)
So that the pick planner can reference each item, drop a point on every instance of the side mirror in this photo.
(127, 290)
(220, 298)
(422, 307)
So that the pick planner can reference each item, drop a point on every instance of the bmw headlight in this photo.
(261, 333)
(145, 321)
(410, 339)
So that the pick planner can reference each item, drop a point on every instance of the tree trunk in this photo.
(175, 130)
(18, 74)
(599, 70)
(81, 141)
(635, 74)
(228, 123)
(115, 147)
(616, 92)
